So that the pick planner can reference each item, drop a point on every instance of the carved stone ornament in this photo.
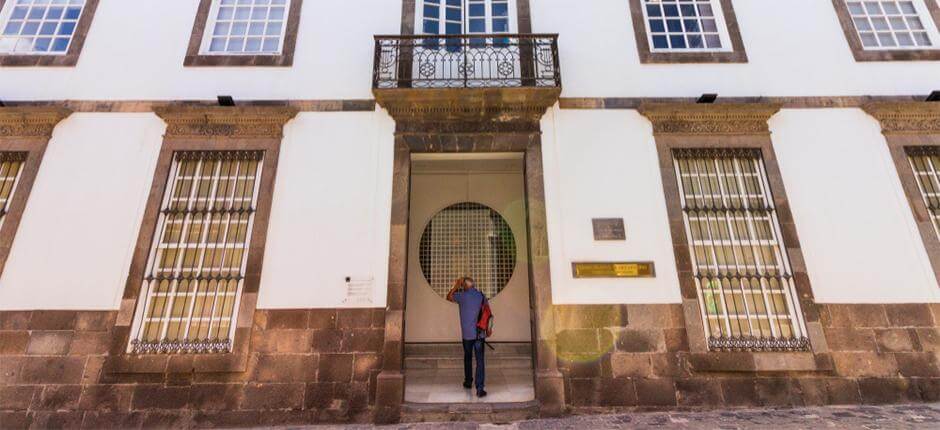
(494, 106)
(906, 117)
(700, 118)
(30, 121)
(220, 121)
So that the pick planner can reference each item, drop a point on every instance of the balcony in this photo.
(481, 76)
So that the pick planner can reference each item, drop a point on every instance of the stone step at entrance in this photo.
(496, 413)
(450, 356)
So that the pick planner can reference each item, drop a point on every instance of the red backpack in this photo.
(485, 320)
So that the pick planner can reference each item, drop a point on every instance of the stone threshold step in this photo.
(456, 349)
(455, 363)
(475, 412)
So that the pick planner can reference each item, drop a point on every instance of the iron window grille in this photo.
(742, 273)
(11, 168)
(467, 239)
(890, 24)
(246, 27)
(196, 267)
(925, 162)
(39, 27)
(685, 25)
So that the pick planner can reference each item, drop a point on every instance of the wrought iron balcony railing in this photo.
(467, 61)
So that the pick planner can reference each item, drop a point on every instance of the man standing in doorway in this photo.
(471, 302)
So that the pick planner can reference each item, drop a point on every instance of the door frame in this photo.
(549, 383)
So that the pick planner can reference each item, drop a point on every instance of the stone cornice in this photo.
(906, 117)
(486, 108)
(30, 121)
(709, 119)
(232, 122)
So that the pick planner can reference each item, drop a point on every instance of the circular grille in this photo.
(467, 239)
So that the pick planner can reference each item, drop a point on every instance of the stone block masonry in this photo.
(629, 356)
(304, 366)
(321, 365)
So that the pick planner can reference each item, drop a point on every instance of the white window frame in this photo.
(925, 17)
(211, 22)
(7, 12)
(723, 33)
(465, 23)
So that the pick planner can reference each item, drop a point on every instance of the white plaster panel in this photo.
(795, 48)
(330, 214)
(75, 242)
(135, 50)
(854, 223)
(603, 164)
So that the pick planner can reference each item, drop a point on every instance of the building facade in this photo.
(244, 212)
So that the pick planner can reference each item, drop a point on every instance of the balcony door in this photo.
(453, 61)
(445, 17)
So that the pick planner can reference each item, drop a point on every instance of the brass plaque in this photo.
(609, 229)
(614, 270)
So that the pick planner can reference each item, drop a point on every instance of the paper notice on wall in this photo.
(359, 292)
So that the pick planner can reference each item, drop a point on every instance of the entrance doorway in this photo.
(467, 217)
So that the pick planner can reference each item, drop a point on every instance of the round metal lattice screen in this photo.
(467, 239)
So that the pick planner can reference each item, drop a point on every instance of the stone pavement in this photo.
(923, 416)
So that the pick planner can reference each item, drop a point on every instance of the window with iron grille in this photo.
(246, 27)
(196, 267)
(925, 162)
(467, 239)
(891, 24)
(685, 25)
(11, 167)
(39, 27)
(742, 273)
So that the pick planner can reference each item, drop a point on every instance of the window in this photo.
(11, 166)
(891, 30)
(925, 162)
(196, 267)
(890, 24)
(467, 239)
(686, 31)
(685, 25)
(253, 27)
(466, 16)
(39, 27)
(741, 270)
(244, 33)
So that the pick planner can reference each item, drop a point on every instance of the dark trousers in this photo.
(470, 348)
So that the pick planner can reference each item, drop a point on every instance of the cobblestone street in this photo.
(925, 416)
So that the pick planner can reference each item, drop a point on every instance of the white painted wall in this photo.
(603, 164)
(795, 48)
(330, 214)
(135, 50)
(76, 239)
(855, 225)
(329, 219)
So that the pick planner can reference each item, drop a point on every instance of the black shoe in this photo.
(468, 384)
(481, 393)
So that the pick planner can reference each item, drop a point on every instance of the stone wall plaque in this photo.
(609, 229)
(632, 269)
